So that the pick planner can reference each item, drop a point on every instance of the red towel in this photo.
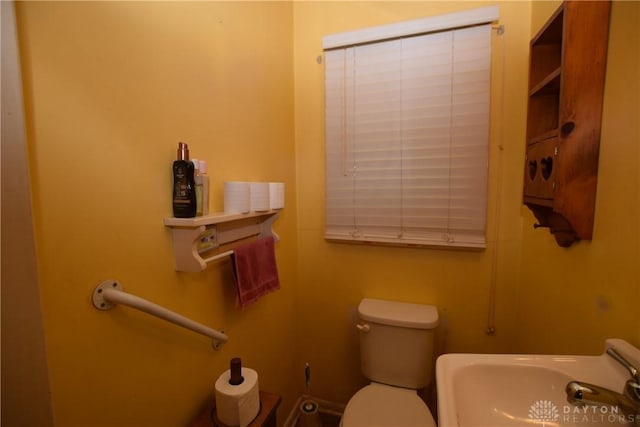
(255, 270)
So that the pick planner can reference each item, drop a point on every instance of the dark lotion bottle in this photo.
(184, 186)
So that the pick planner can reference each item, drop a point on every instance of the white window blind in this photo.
(407, 136)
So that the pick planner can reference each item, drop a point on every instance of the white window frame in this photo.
(390, 224)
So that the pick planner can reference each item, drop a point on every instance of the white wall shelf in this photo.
(202, 235)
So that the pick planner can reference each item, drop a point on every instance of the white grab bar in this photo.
(109, 293)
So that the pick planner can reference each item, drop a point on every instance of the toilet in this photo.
(396, 354)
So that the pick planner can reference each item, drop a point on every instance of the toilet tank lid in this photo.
(394, 313)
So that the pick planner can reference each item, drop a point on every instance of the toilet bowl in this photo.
(396, 354)
(383, 405)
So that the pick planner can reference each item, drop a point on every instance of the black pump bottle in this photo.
(184, 186)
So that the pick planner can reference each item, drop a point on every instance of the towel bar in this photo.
(216, 257)
(109, 293)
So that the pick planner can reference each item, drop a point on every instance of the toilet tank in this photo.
(396, 342)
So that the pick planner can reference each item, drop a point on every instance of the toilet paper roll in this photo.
(236, 197)
(259, 196)
(237, 405)
(276, 195)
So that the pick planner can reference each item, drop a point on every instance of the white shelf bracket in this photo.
(194, 238)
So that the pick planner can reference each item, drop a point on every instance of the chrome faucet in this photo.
(580, 394)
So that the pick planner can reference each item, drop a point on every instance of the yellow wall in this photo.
(572, 299)
(548, 299)
(110, 89)
(335, 277)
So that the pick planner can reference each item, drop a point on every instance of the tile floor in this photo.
(327, 419)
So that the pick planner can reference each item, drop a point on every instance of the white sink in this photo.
(492, 390)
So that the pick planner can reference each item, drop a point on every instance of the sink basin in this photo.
(528, 390)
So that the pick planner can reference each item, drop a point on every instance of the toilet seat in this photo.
(383, 405)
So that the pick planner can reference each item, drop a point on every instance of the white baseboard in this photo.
(324, 406)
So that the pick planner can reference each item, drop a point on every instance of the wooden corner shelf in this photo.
(566, 90)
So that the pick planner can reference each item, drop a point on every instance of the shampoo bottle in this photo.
(198, 181)
(204, 178)
(184, 191)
